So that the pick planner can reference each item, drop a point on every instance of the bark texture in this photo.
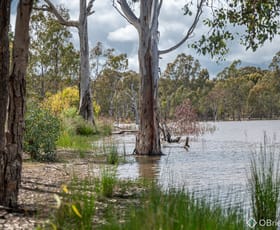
(148, 138)
(4, 76)
(16, 108)
(86, 106)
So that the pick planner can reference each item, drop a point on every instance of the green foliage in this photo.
(264, 184)
(74, 124)
(259, 18)
(84, 128)
(42, 130)
(53, 61)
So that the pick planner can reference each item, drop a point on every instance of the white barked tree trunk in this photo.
(85, 105)
(148, 137)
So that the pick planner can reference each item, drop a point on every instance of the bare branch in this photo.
(127, 13)
(51, 8)
(190, 31)
(159, 6)
(89, 7)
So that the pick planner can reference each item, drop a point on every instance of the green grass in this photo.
(76, 142)
(112, 155)
(75, 209)
(264, 184)
(179, 210)
(108, 181)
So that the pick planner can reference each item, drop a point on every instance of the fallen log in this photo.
(124, 131)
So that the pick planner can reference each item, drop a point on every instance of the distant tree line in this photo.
(236, 93)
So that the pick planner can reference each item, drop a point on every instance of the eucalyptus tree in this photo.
(147, 26)
(12, 93)
(54, 61)
(85, 10)
(5, 6)
(257, 22)
(113, 70)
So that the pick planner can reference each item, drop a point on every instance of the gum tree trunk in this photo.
(11, 178)
(148, 138)
(4, 77)
(86, 106)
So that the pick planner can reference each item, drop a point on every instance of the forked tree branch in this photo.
(190, 31)
(127, 13)
(89, 7)
(51, 8)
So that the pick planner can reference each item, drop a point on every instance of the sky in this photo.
(109, 27)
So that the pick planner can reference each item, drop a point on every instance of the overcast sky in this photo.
(107, 26)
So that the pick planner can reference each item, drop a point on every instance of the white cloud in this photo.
(123, 34)
(109, 27)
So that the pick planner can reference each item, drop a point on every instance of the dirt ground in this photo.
(40, 181)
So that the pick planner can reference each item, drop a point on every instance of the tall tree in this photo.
(148, 137)
(4, 77)
(86, 106)
(11, 155)
(53, 60)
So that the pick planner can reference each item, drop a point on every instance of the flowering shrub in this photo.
(63, 100)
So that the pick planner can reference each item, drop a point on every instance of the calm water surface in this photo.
(217, 160)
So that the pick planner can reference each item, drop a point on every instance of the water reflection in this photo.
(148, 166)
(219, 159)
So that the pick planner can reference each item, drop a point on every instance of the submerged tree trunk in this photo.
(13, 159)
(148, 138)
(86, 106)
(4, 76)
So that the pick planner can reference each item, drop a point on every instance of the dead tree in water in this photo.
(166, 134)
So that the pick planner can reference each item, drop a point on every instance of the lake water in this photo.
(215, 161)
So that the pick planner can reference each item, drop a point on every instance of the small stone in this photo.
(2, 221)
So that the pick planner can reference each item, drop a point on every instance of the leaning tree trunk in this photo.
(148, 138)
(4, 76)
(86, 106)
(16, 110)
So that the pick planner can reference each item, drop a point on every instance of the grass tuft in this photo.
(264, 184)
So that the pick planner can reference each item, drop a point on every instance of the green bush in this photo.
(84, 128)
(74, 124)
(42, 130)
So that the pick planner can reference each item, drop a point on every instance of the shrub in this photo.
(41, 133)
(56, 103)
(84, 128)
